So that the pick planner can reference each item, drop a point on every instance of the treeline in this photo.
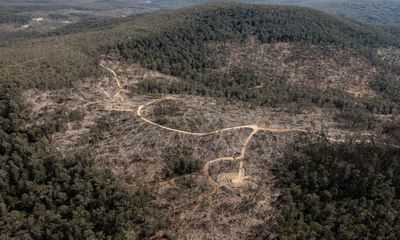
(87, 23)
(45, 67)
(7, 18)
(174, 49)
(338, 191)
(386, 82)
(392, 29)
(180, 162)
(46, 196)
(388, 86)
(181, 50)
(242, 84)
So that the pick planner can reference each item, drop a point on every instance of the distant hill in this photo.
(368, 11)
(393, 29)
(374, 12)
(178, 43)
(217, 22)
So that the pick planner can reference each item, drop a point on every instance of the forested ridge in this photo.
(163, 50)
(180, 35)
(181, 50)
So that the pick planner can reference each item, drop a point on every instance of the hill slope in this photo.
(214, 23)
(185, 50)
(268, 80)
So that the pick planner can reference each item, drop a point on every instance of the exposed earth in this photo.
(138, 136)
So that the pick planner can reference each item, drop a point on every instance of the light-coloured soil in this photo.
(236, 145)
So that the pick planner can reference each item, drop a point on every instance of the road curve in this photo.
(254, 127)
(241, 177)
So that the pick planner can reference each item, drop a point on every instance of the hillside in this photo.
(296, 26)
(290, 26)
(221, 121)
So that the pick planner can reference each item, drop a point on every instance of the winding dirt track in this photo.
(239, 181)
(241, 178)
(115, 77)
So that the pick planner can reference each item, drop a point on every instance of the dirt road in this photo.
(241, 178)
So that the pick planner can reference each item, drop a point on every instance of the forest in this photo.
(13, 18)
(392, 29)
(48, 196)
(182, 51)
(338, 191)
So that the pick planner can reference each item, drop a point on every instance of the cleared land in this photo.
(138, 137)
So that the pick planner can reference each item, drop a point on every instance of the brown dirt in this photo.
(235, 143)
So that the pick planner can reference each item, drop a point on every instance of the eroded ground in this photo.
(138, 137)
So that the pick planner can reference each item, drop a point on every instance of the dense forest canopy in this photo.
(47, 196)
(393, 29)
(331, 191)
